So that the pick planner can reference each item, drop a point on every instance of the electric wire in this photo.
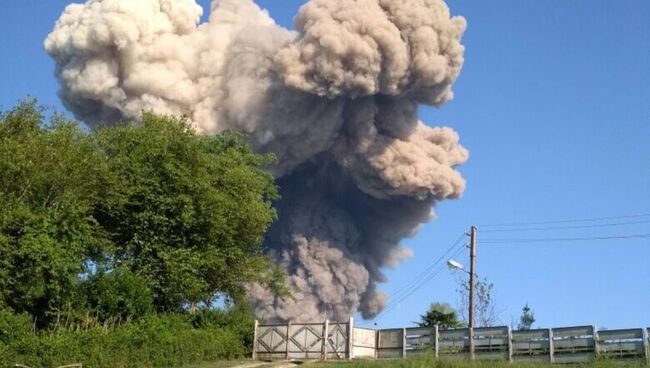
(434, 270)
(417, 282)
(391, 306)
(565, 227)
(426, 271)
(594, 219)
(540, 240)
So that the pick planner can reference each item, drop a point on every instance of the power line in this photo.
(566, 221)
(394, 305)
(541, 240)
(426, 271)
(417, 282)
(566, 227)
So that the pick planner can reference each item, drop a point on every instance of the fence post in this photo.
(350, 338)
(254, 356)
(471, 343)
(403, 343)
(377, 342)
(551, 346)
(509, 344)
(436, 340)
(646, 344)
(596, 344)
(286, 346)
(325, 339)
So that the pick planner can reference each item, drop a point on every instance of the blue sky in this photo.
(553, 104)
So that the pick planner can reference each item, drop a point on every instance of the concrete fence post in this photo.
(435, 340)
(596, 343)
(377, 342)
(509, 344)
(471, 343)
(646, 344)
(255, 343)
(286, 345)
(403, 343)
(551, 346)
(326, 326)
(350, 338)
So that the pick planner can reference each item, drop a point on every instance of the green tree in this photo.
(49, 175)
(186, 212)
(442, 315)
(166, 215)
(527, 318)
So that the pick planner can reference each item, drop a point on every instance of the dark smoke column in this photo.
(336, 101)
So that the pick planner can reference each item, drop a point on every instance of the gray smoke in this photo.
(336, 101)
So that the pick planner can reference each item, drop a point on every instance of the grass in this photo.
(429, 361)
(231, 364)
(422, 361)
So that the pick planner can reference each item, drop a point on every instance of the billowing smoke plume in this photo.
(336, 101)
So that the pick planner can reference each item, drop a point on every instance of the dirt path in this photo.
(278, 364)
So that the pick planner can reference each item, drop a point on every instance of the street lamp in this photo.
(472, 276)
(454, 265)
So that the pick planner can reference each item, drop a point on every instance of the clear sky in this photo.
(553, 104)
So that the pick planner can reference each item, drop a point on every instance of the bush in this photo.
(154, 341)
(14, 326)
(118, 294)
(238, 319)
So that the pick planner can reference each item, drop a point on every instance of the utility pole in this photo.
(472, 283)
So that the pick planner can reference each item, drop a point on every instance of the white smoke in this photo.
(336, 101)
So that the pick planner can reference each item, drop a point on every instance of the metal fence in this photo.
(330, 340)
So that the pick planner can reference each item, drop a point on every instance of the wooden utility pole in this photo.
(472, 283)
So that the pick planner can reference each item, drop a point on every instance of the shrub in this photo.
(154, 341)
(118, 294)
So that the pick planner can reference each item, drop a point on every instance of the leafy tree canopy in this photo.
(442, 315)
(186, 212)
(49, 175)
(175, 214)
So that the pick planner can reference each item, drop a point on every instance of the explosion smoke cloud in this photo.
(336, 101)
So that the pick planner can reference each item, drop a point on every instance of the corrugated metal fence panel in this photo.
(390, 343)
(491, 342)
(531, 346)
(622, 344)
(365, 343)
(574, 344)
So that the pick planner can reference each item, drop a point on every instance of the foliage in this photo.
(154, 341)
(527, 318)
(117, 294)
(442, 315)
(49, 175)
(14, 326)
(187, 213)
(239, 318)
(111, 223)
(484, 309)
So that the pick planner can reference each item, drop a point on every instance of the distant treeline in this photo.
(116, 242)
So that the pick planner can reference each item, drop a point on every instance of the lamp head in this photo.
(455, 265)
